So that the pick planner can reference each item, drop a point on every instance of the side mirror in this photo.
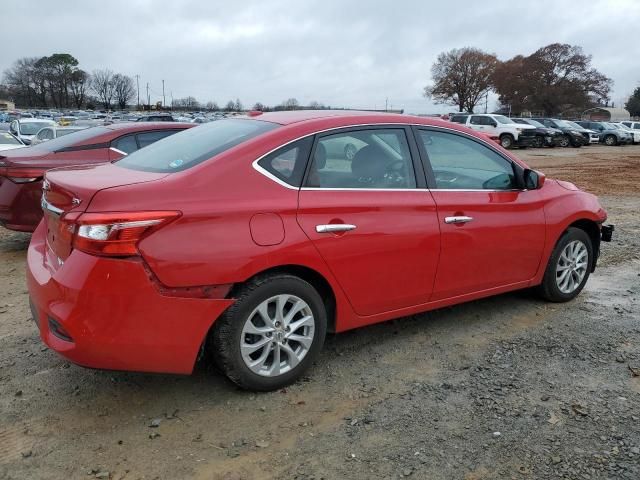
(494, 124)
(533, 180)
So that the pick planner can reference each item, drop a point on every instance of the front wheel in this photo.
(569, 266)
(565, 141)
(610, 140)
(539, 143)
(507, 141)
(271, 334)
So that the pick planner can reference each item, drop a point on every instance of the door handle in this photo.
(460, 219)
(335, 227)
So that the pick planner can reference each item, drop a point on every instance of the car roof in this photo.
(295, 116)
(135, 126)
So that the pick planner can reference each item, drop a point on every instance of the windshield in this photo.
(74, 138)
(613, 126)
(190, 147)
(535, 124)
(31, 128)
(563, 123)
(502, 119)
(6, 139)
(574, 125)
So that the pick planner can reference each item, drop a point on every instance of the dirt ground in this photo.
(507, 387)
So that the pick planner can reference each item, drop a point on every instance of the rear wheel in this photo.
(569, 266)
(507, 141)
(271, 334)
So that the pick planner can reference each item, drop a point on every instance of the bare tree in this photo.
(103, 86)
(461, 77)
(123, 89)
(78, 86)
(290, 104)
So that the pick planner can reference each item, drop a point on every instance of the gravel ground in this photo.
(507, 387)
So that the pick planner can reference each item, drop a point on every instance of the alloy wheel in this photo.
(572, 266)
(277, 335)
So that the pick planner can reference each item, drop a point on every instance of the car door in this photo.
(477, 122)
(492, 231)
(371, 219)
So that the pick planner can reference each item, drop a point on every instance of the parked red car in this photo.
(246, 239)
(21, 170)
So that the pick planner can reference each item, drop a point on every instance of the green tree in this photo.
(553, 79)
(633, 104)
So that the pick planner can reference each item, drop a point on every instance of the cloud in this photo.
(342, 53)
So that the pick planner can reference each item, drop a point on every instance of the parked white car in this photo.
(27, 128)
(511, 134)
(49, 133)
(633, 128)
(9, 141)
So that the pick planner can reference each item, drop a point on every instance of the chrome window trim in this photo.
(270, 176)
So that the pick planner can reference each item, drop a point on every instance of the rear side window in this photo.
(145, 139)
(288, 163)
(371, 159)
(195, 145)
(126, 144)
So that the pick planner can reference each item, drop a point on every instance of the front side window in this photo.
(460, 163)
(374, 158)
(194, 145)
(289, 162)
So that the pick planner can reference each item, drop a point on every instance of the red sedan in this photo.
(250, 238)
(22, 169)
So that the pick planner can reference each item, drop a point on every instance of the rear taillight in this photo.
(23, 175)
(117, 234)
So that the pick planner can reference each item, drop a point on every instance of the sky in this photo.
(342, 53)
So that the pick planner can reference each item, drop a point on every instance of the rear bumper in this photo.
(20, 205)
(113, 315)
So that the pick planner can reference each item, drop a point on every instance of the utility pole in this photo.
(138, 88)
(163, 94)
(486, 101)
(386, 104)
(148, 98)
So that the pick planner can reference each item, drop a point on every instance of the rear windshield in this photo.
(81, 136)
(190, 147)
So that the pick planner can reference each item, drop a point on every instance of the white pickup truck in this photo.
(511, 134)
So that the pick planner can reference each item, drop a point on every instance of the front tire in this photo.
(565, 141)
(271, 335)
(569, 266)
(610, 140)
(539, 141)
(507, 141)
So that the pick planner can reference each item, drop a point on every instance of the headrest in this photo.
(320, 156)
(369, 164)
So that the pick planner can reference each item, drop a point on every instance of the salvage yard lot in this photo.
(507, 387)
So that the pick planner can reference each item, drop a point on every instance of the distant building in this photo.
(7, 105)
(606, 114)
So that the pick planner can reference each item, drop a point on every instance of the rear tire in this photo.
(257, 345)
(569, 267)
